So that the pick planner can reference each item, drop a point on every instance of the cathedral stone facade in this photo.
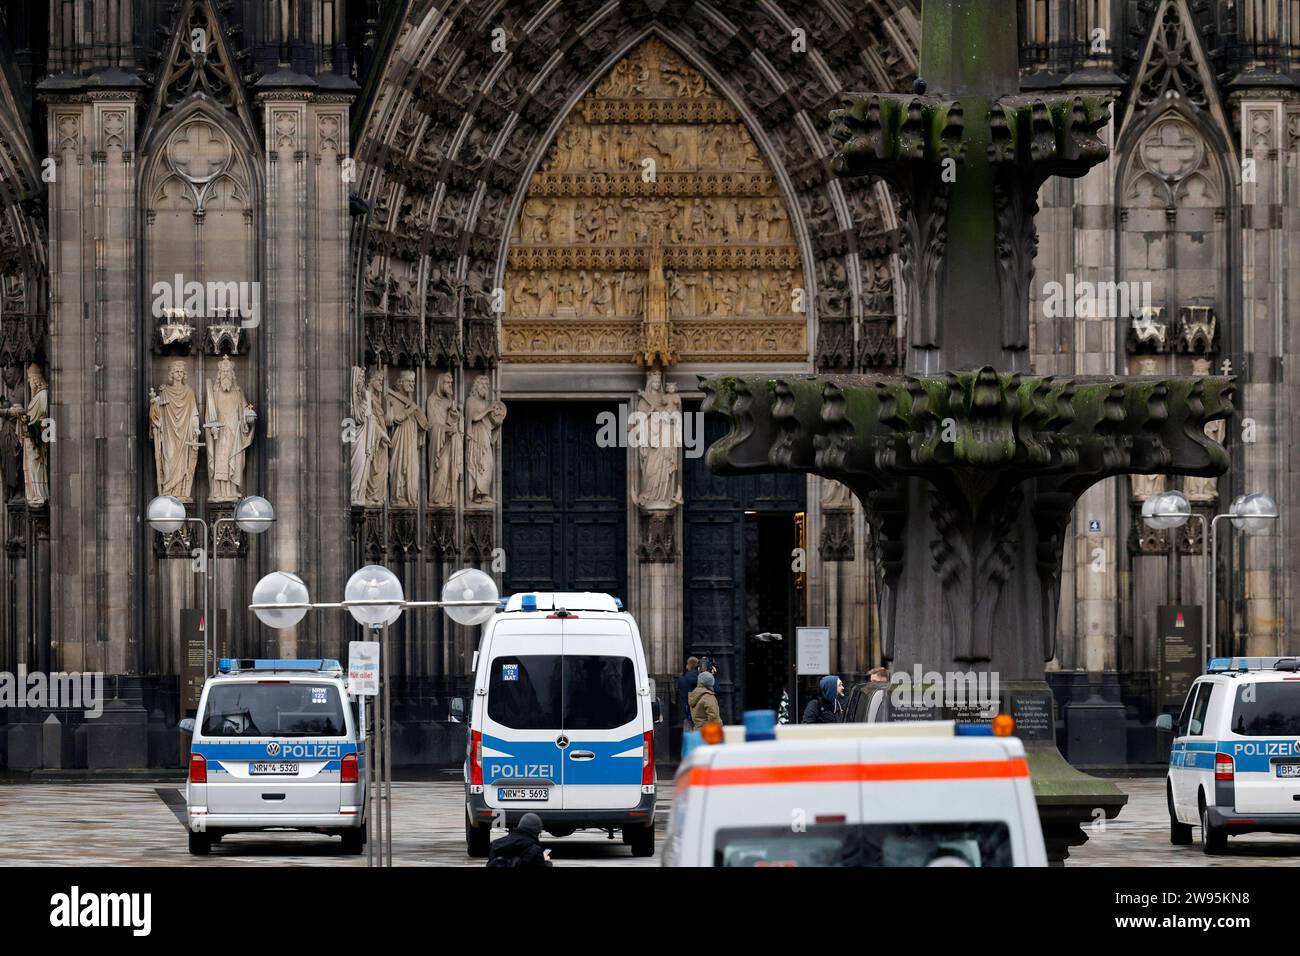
(440, 283)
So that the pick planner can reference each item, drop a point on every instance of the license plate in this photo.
(273, 769)
(522, 793)
(1288, 770)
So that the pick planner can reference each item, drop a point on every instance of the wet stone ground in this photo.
(137, 824)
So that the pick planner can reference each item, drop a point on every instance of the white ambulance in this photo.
(562, 721)
(1235, 762)
(892, 794)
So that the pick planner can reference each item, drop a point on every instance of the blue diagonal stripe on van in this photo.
(289, 750)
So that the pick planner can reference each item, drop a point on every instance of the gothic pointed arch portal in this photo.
(654, 232)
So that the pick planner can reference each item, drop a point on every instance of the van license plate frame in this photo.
(278, 768)
(537, 794)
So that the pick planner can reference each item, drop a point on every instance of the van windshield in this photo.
(873, 844)
(569, 692)
(274, 710)
(1267, 709)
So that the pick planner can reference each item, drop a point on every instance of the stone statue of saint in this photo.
(1204, 489)
(369, 439)
(228, 423)
(174, 425)
(446, 444)
(658, 441)
(408, 427)
(483, 418)
(29, 422)
(11, 444)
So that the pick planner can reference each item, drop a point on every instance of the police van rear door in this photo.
(604, 720)
(274, 746)
(522, 723)
(1263, 740)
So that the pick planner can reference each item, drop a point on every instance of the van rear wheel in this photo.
(478, 839)
(1213, 839)
(200, 844)
(640, 839)
(354, 841)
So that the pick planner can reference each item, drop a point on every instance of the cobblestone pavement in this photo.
(1139, 836)
(137, 824)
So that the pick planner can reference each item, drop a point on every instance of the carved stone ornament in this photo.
(441, 535)
(837, 536)
(479, 541)
(658, 537)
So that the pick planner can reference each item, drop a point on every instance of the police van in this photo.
(561, 723)
(1234, 766)
(921, 793)
(277, 744)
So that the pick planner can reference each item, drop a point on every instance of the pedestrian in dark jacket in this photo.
(522, 846)
(828, 706)
(686, 684)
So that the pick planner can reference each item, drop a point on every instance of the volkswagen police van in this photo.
(561, 723)
(920, 793)
(1234, 766)
(277, 744)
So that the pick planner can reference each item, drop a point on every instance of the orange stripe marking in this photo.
(857, 772)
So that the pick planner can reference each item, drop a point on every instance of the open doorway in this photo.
(774, 604)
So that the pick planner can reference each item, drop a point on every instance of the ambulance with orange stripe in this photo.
(931, 793)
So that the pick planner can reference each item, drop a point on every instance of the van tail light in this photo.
(1223, 767)
(648, 758)
(198, 769)
(348, 769)
(476, 758)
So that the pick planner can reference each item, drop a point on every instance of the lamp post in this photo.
(166, 514)
(374, 598)
(1249, 513)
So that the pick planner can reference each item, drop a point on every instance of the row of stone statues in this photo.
(24, 452)
(390, 426)
(225, 432)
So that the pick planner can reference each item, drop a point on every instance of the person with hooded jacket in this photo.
(521, 846)
(704, 702)
(827, 707)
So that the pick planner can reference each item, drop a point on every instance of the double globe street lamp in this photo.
(166, 514)
(374, 598)
(1252, 514)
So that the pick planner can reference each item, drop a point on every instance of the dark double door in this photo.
(564, 508)
(739, 582)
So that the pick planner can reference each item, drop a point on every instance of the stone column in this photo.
(1289, 492)
(94, 348)
(1264, 278)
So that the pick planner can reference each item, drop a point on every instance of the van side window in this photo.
(1196, 726)
(1186, 714)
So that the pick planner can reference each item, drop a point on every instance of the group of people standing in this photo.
(697, 695)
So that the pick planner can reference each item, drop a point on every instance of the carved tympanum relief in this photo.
(653, 173)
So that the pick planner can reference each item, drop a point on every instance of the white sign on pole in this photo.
(363, 668)
(812, 650)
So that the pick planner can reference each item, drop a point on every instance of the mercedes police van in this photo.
(1234, 766)
(277, 744)
(918, 793)
(561, 723)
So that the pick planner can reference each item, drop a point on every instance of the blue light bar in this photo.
(973, 730)
(618, 603)
(528, 602)
(230, 665)
(1219, 664)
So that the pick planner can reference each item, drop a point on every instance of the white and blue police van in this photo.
(561, 723)
(276, 744)
(1234, 766)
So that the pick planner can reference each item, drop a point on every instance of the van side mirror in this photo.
(457, 710)
(1165, 722)
(656, 712)
(187, 725)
